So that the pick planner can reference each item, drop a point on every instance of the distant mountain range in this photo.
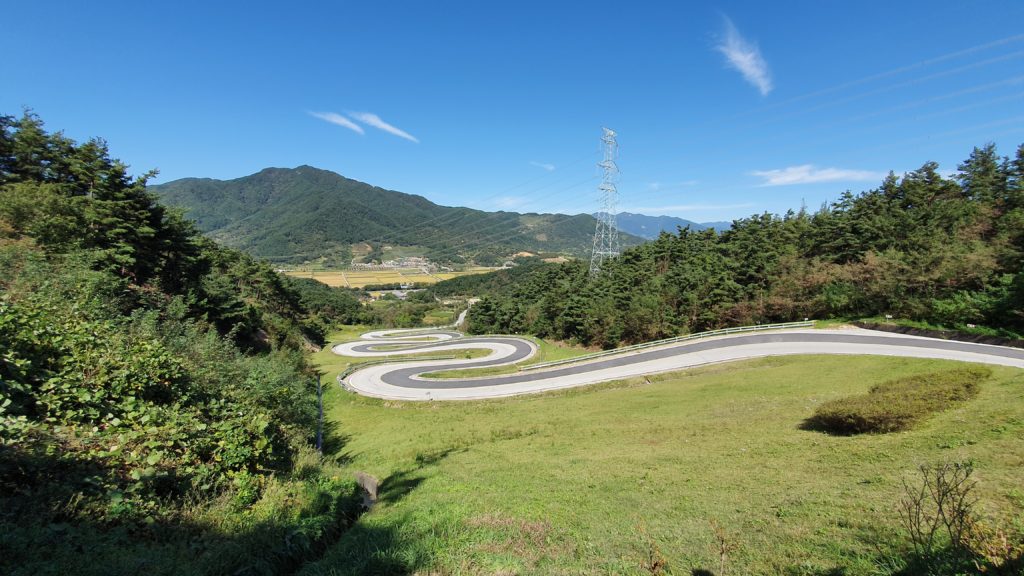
(650, 227)
(298, 214)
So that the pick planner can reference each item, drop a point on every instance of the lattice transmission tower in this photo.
(606, 236)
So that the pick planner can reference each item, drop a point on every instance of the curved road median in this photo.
(403, 381)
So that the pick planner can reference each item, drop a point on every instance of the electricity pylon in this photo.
(606, 236)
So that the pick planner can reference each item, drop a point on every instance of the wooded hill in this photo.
(153, 385)
(949, 251)
(650, 227)
(304, 213)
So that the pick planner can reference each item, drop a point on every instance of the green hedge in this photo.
(898, 404)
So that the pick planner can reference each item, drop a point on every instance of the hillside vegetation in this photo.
(921, 246)
(294, 215)
(156, 406)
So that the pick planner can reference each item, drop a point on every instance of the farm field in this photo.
(617, 478)
(361, 278)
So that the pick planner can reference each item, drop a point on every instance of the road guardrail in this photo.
(675, 340)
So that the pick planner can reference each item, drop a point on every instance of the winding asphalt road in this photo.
(404, 381)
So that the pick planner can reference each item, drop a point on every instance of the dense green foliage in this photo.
(329, 305)
(146, 374)
(490, 282)
(898, 404)
(920, 246)
(294, 215)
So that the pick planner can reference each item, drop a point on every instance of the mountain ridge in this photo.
(650, 227)
(307, 213)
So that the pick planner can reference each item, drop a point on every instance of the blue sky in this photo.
(722, 109)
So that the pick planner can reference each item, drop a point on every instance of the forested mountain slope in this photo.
(292, 215)
(920, 246)
(650, 227)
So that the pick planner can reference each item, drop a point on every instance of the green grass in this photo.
(593, 480)
(547, 351)
(393, 252)
(831, 323)
(898, 404)
(439, 317)
(382, 347)
(550, 351)
(332, 364)
(297, 515)
(925, 325)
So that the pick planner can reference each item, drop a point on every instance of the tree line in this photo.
(921, 246)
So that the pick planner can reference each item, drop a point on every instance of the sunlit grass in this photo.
(331, 364)
(595, 480)
(547, 351)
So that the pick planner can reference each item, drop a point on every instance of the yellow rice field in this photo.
(361, 278)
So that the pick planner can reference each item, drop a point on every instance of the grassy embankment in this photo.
(971, 329)
(613, 478)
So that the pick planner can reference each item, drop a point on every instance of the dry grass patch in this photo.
(898, 404)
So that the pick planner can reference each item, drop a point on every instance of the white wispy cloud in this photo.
(745, 57)
(657, 186)
(809, 174)
(544, 165)
(338, 119)
(510, 202)
(371, 119)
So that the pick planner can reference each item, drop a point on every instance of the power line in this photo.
(606, 234)
(500, 236)
(455, 213)
(497, 237)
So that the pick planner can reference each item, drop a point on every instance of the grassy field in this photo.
(331, 364)
(612, 479)
(439, 317)
(359, 278)
(546, 352)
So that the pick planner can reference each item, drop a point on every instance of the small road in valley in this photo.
(404, 380)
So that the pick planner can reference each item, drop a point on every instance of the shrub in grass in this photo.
(898, 404)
